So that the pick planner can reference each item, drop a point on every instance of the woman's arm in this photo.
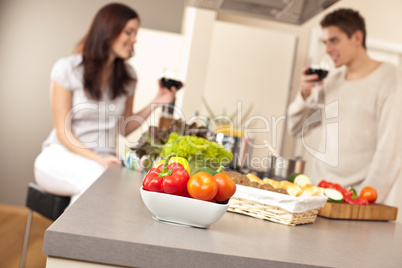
(61, 100)
(133, 121)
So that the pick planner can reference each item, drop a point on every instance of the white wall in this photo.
(33, 35)
(234, 66)
(251, 66)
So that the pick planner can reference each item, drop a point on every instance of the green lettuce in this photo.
(195, 148)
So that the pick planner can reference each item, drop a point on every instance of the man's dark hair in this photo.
(347, 20)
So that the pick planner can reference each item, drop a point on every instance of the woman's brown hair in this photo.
(95, 47)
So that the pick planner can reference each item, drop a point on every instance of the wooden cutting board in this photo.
(374, 212)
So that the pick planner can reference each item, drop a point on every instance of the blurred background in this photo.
(225, 57)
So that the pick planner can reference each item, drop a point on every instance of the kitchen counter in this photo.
(110, 225)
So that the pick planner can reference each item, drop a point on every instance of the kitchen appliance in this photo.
(281, 167)
(288, 11)
(240, 148)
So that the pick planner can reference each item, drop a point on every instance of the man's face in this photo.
(339, 46)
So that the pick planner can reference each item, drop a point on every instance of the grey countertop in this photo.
(110, 224)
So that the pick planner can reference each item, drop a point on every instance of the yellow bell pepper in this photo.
(176, 159)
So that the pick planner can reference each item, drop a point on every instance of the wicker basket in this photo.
(273, 212)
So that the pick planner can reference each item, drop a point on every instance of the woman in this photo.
(92, 93)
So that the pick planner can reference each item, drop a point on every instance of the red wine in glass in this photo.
(322, 73)
(169, 83)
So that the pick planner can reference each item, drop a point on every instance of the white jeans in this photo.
(59, 171)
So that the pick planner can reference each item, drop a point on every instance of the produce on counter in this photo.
(167, 178)
(304, 183)
(202, 186)
(293, 176)
(196, 148)
(171, 176)
(187, 141)
(354, 195)
(349, 195)
(369, 193)
(302, 180)
(176, 159)
(226, 186)
(325, 184)
(151, 142)
(333, 195)
(218, 187)
(357, 201)
(210, 170)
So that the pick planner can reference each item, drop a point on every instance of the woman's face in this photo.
(123, 46)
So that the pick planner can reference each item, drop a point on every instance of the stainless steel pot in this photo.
(282, 167)
(240, 148)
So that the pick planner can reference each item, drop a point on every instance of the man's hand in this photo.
(307, 82)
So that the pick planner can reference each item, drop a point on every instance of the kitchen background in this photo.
(230, 59)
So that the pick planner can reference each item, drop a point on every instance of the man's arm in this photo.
(386, 164)
(298, 112)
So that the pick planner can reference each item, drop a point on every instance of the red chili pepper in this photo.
(325, 184)
(336, 186)
(170, 179)
(357, 201)
(343, 190)
(362, 201)
(349, 196)
(347, 193)
(350, 200)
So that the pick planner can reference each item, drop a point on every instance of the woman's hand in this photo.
(307, 82)
(109, 160)
(165, 95)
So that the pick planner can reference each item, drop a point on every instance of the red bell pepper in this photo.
(362, 201)
(349, 196)
(357, 201)
(336, 186)
(350, 200)
(167, 178)
(325, 184)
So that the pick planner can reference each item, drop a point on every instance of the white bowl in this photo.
(182, 210)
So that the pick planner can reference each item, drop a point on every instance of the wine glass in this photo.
(322, 69)
(170, 79)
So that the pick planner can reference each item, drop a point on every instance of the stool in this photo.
(49, 205)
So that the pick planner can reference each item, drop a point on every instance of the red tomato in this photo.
(369, 193)
(226, 187)
(202, 186)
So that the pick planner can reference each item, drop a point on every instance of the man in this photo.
(360, 143)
